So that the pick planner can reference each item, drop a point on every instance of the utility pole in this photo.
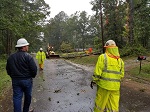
(101, 20)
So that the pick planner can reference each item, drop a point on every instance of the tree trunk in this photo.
(8, 43)
(131, 22)
(101, 20)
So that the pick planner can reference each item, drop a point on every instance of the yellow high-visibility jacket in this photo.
(40, 56)
(108, 72)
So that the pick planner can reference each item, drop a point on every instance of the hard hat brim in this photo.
(110, 46)
(22, 45)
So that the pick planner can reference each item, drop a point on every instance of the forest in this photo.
(127, 22)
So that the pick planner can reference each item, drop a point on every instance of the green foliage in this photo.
(142, 21)
(2, 48)
(73, 29)
(133, 50)
(3, 57)
(4, 81)
(4, 78)
(21, 19)
(57, 31)
(66, 47)
(97, 43)
(27, 19)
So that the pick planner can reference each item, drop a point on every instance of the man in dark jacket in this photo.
(21, 68)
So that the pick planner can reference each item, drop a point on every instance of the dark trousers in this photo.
(20, 88)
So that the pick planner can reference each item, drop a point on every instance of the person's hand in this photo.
(92, 83)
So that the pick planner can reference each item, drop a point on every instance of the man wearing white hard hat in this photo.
(40, 56)
(109, 71)
(21, 67)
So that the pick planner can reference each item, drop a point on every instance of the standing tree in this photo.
(21, 19)
(142, 21)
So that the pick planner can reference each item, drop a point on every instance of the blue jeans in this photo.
(21, 87)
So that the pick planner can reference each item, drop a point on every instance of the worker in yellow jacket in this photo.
(108, 73)
(40, 56)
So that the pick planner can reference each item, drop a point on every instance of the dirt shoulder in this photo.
(135, 82)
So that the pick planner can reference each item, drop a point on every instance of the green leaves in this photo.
(66, 47)
(21, 19)
(142, 21)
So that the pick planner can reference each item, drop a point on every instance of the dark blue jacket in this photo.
(21, 65)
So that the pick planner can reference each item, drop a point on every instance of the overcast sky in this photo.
(69, 6)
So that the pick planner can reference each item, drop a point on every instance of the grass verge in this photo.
(86, 60)
(4, 78)
(144, 73)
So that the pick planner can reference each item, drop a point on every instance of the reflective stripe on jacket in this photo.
(40, 56)
(108, 72)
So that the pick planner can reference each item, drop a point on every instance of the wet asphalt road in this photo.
(62, 87)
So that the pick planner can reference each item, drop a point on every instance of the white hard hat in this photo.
(110, 43)
(22, 42)
(41, 49)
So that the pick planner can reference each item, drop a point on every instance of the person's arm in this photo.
(44, 55)
(98, 68)
(37, 55)
(7, 68)
(33, 67)
(122, 68)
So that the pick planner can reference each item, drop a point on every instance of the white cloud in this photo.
(69, 6)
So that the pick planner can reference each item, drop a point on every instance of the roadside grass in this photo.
(86, 60)
(73, 54)
(144, 73)
(4, 78)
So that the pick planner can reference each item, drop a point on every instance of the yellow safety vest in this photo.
(108, 72)
(40, 56)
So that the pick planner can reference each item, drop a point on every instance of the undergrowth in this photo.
(4, 78)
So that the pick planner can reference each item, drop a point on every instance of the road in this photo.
(64, 87)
